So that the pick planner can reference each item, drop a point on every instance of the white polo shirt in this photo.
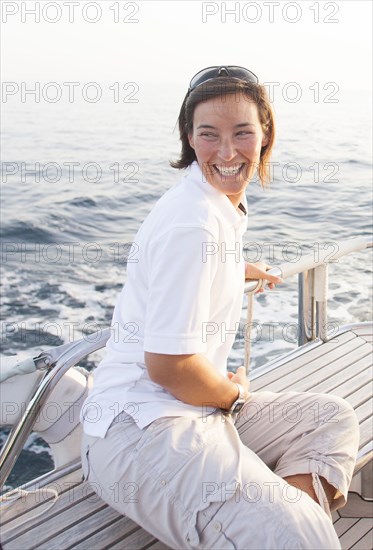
(183, 295)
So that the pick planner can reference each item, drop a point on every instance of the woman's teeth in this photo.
(231, 171)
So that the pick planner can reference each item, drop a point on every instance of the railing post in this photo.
(306, 307)
(312, 304)
(321, 299)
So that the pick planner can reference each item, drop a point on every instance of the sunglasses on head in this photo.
(215, 72)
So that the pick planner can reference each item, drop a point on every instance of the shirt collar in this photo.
(222, 202)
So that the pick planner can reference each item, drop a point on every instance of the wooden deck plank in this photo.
(365, 410)
(270, 372)
(349, 373)
(325, 369)
(366, 330)
(356, 532)
(366, 337)
(321, 368)
(70, 536)
(138, 540)
(306, 379)
(52, 526)
(344, 524)
(366, 543)
(109, 535)
(363, 393)
(356, 507)
(348, 340)
(366, 431)
(26, 507)
(159, 546)
(76, 494)
(360, 395)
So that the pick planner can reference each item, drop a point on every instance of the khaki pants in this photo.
(217, 482)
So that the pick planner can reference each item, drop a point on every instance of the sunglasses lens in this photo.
(202, 76)
(244, 74)
(215, 72)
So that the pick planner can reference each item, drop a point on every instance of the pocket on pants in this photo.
(211, 529)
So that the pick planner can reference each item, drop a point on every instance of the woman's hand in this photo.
(258, 270)
(239, 377)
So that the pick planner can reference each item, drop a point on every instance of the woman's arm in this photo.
(193, 379)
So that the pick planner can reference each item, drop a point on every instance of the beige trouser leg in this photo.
(299, 433)
(199, 483)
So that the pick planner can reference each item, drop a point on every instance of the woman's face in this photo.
(227, 138)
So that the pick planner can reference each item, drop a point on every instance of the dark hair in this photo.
(220, 87)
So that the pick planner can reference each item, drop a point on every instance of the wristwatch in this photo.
(239, 402)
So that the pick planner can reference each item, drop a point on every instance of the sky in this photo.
(157, 43)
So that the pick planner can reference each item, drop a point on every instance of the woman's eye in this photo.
(209, 135)
(244, 133)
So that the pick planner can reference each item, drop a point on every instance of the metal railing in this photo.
(312, 274)
(312, 319)
(57, 361)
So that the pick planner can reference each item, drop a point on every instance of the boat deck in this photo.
(342, 366)
(354, 524)
(79, 519)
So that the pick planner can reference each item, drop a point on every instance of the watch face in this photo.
(238, 406)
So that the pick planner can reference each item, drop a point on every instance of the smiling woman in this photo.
(228, 149)
(252, 128)
(172, 420)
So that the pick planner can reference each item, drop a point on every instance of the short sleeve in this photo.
(182, 264)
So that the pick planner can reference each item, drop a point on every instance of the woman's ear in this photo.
(265, 140)
(191, 140)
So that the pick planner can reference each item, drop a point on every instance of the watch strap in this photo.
(238, 402)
